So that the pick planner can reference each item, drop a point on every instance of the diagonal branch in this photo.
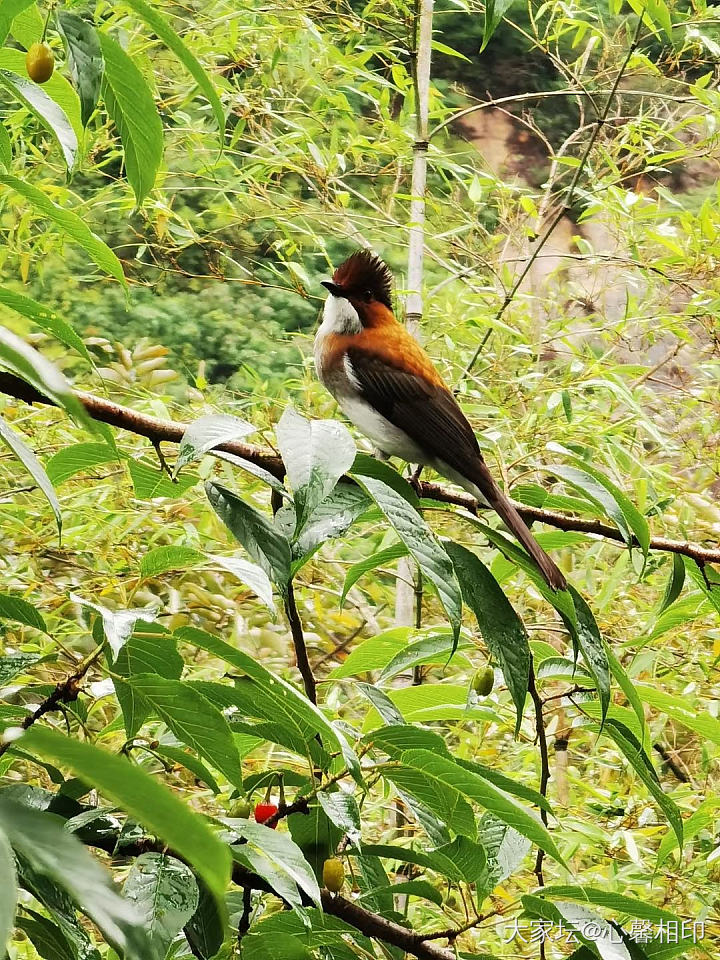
(170, 430)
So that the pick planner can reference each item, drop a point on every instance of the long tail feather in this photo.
(481, 477)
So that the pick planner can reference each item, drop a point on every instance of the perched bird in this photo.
(386, 384)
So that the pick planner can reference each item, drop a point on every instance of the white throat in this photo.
(339, 316)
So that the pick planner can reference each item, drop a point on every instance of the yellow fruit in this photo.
(333, 875)
(483, 681)
(40, 62)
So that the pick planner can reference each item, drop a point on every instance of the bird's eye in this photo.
(367, 295)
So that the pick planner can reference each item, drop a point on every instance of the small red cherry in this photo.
(263, 812)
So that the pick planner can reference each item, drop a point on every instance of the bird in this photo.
(388, 387)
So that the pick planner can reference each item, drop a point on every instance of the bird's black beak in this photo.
(335, 290)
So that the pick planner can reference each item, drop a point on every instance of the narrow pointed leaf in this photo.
(70, 223)
(266, 545)
(45, 318)
(132, 109)
(144, 798)
(50, 114)
(208, 432)
(85, 59)
(503, 631)
(160, 25)
(33, 466)
(421, 542)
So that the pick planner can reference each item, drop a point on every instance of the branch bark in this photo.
(367, 922)
(155, 429)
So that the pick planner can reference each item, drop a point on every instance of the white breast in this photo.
(339, 316)
(390, 439)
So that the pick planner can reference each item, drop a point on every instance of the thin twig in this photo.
(296, 629)
(66, 691)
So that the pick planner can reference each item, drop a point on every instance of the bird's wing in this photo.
(427, 412)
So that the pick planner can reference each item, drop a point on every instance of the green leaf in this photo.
(190, 762)
(494, 12)
(702, 819)
(316, 453)
(585, 631)
(149, 650)
(506, 849)
(79, 457)
(413, 888)
(144, 798)
(205, 930)
(635, 521)
(374, 653)
(282, 851)
(165, 894)
(619, 903)
(13, 664)
(9, 9)
(561, 600)
(254, 469)
(357, 570)
(367, 466)
(33, 466)
(434, 649)
(469, 857)
(60, 857)
(70, 224)
(49, 940)
(45, 318)
(208, 432)
(342, 810)
(5, 148)
(673, 587)
(421, 542)
(445, 770)
(433, 860)
(149, 482)
(683, 710)
(48, 112)
(8, 891)
(250, 574)
(193, 720)
(633, 751)
(503, 631)
(23, 360)
(437, 794)
(118, 625)
(506, 784)
(627, 687)
(329, 519)
(159, 25)
(85, 59)
(274, 687)
(266, 545)
(15, 608)
(132, 109)
(162, 559)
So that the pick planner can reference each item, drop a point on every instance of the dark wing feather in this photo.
(426, 412)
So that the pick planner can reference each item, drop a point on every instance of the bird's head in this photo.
(360, 293)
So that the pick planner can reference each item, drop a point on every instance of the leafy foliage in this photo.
(171, 199)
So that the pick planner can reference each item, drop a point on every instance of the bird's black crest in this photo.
(364, 271)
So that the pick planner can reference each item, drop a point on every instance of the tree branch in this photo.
(371, 924)
(155, 429)
(66, 691)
